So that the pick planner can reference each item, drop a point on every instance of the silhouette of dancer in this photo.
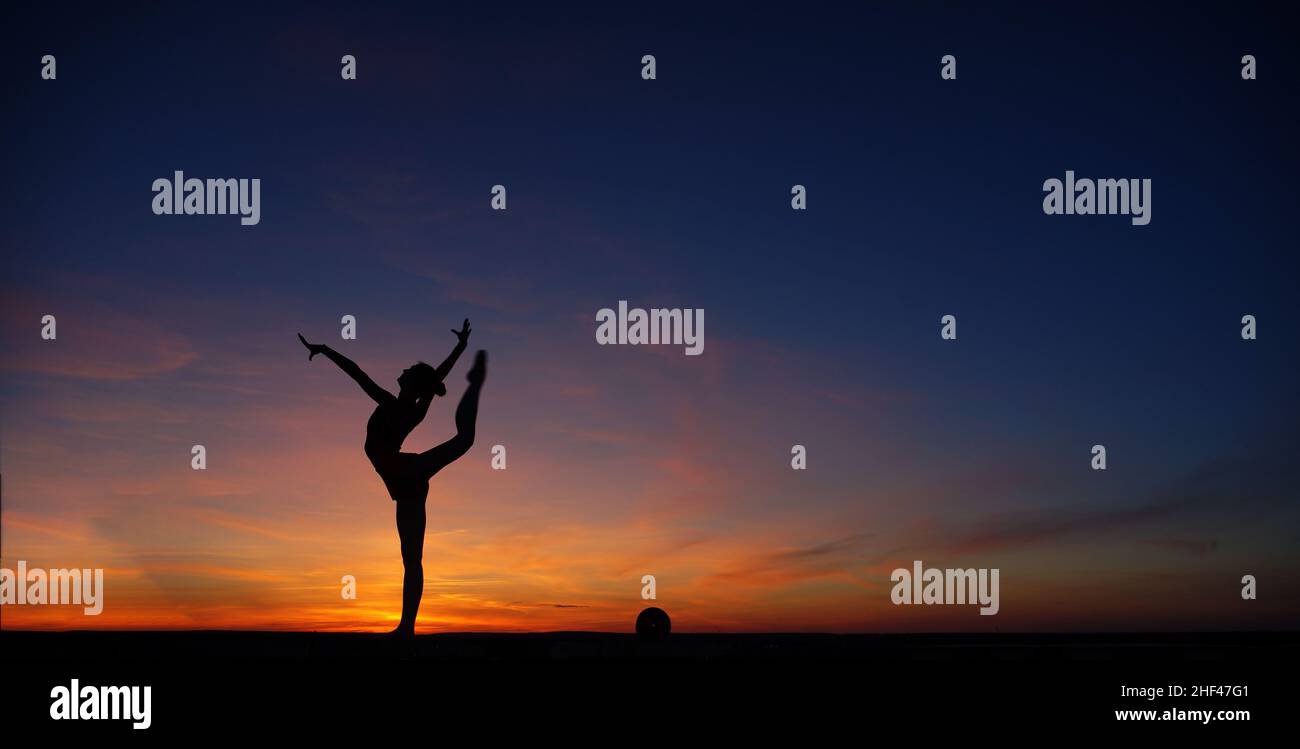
(406, 475)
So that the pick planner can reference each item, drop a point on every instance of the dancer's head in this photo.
(421, 381)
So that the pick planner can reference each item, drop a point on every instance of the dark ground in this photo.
(800, 689)
(1234, 648)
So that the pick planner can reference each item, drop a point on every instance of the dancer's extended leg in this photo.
(433, 460)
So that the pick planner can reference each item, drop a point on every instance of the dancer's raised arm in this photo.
(462, 339)
(379, 394)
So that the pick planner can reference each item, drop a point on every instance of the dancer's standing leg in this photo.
(410, 529)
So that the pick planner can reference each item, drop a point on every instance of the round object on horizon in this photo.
(653, 624)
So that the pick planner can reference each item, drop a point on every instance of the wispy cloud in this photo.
(94, 341)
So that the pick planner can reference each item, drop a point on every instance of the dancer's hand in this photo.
(312, 348)
(463, 334)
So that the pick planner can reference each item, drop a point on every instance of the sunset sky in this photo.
(822, 327)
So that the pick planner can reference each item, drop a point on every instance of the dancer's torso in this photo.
(386, 430)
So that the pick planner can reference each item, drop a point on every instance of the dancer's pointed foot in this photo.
(478, 372)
